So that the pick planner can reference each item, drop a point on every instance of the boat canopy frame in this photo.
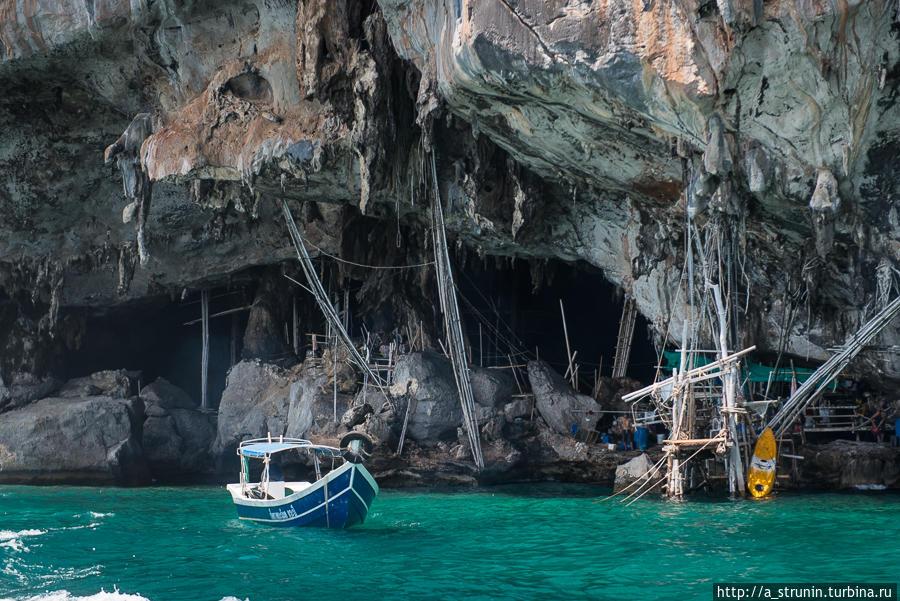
(262, 448)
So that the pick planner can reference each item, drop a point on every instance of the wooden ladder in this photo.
(626, 335)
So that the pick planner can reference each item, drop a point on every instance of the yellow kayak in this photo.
(761, 476)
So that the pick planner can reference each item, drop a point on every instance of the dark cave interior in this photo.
(506, 317)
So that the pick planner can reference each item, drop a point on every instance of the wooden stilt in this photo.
(204, 360)
(234, 338)
(562, 312)
(481, 346)
(296, 325)
(334, 360)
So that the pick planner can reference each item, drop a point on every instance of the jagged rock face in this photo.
(63, 440)
(628, 101)
(574, 130)
(843, 464)
(426, 381)
(564, 410)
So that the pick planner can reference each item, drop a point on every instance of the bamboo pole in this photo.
(334, 360)
(296, 321)
(733, 453)
(481, 347)
(234, 337)
(562, 312)
(204, 360)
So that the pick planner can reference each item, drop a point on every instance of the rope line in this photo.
(336, 258)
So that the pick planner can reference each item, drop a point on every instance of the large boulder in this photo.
(427, 379)
(176, 441)
(165, 394)
(61, 440)
(492, 387)
(559, 405)
(254, 404)
(636, 474)
(312, 403)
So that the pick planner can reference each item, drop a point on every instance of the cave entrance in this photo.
(511, 311)
(163, 338)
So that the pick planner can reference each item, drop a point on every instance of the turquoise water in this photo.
(539, 542)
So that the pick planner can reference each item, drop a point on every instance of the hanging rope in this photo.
(315, 286)
(364, 266)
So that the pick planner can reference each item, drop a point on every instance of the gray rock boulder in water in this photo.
(639, 468)
(60, 440)
(428, 378)
(254, 404)
(558, 404)
(176, 442)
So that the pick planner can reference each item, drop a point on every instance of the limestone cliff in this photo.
(567, 129)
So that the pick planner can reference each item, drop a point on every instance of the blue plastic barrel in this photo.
(640, 438)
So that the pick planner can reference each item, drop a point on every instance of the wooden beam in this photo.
(204, 360)
(219, 314)
(562, 312)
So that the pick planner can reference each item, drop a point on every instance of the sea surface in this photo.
(525, 542)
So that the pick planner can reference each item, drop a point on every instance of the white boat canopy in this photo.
(263, 447)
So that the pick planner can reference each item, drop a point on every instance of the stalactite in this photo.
(137, 186)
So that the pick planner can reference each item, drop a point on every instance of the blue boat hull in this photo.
(339, 500)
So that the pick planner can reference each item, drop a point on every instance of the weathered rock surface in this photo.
(165, 394)
(559, 405)
(843, 464)
(118, 384)
(254, 405)
(566, 130)
(492, 387)
(64, 440)
(177, 441)
(639, 475)
(426, 379)
(312, 404)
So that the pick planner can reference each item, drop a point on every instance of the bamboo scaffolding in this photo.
(452, 321)
(318, 291)
(822, 377)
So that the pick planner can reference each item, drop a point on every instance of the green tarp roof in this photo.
(757, 371)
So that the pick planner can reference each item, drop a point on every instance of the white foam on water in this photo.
(64, 595)
(10, 534)
(870, 487)
(14, 544)
(82, 527)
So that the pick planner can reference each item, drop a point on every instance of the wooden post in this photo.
(562, 312)
(347, 309)
(481, 347)
(204, 360)
(334, 360)
(234, 337)
(296, 320)
(733, 454)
